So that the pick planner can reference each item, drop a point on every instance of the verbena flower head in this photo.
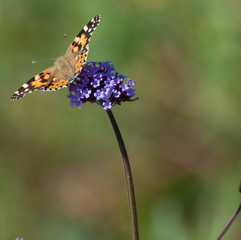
(18, 238)
(99, 82)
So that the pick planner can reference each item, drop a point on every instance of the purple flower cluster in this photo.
(99, 82)
(18, 238)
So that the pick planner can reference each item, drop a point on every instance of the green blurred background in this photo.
(61, 175)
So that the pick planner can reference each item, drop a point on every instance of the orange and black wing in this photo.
(78, 50)
(38, 82)
(58, 81)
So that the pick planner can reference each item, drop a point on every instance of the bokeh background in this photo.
(61, 175)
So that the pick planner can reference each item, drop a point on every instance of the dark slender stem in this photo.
(229, 223)
(128, 176)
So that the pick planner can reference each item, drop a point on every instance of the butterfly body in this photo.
(65, 67)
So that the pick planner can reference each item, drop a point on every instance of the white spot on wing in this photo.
(85, 28)
(25, 85)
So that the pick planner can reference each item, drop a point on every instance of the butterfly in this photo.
(65, 68)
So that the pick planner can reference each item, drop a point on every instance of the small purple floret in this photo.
(99, 82)
(107, 105)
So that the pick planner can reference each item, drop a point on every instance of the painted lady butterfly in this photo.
(65, 67)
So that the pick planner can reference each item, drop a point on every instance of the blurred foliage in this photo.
(61, 175)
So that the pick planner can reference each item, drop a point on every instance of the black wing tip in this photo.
(96, 18)
(16, 97)
(19, 94)
(13, 98)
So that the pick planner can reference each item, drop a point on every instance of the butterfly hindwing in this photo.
(39, 81)
(58, 81)
(77, 61)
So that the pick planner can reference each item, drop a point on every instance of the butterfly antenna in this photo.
(48, 59)
(61, 45)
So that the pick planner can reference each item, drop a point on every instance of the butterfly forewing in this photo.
(55, 78)
(78, 50)
(39, 81)
(81, 41)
